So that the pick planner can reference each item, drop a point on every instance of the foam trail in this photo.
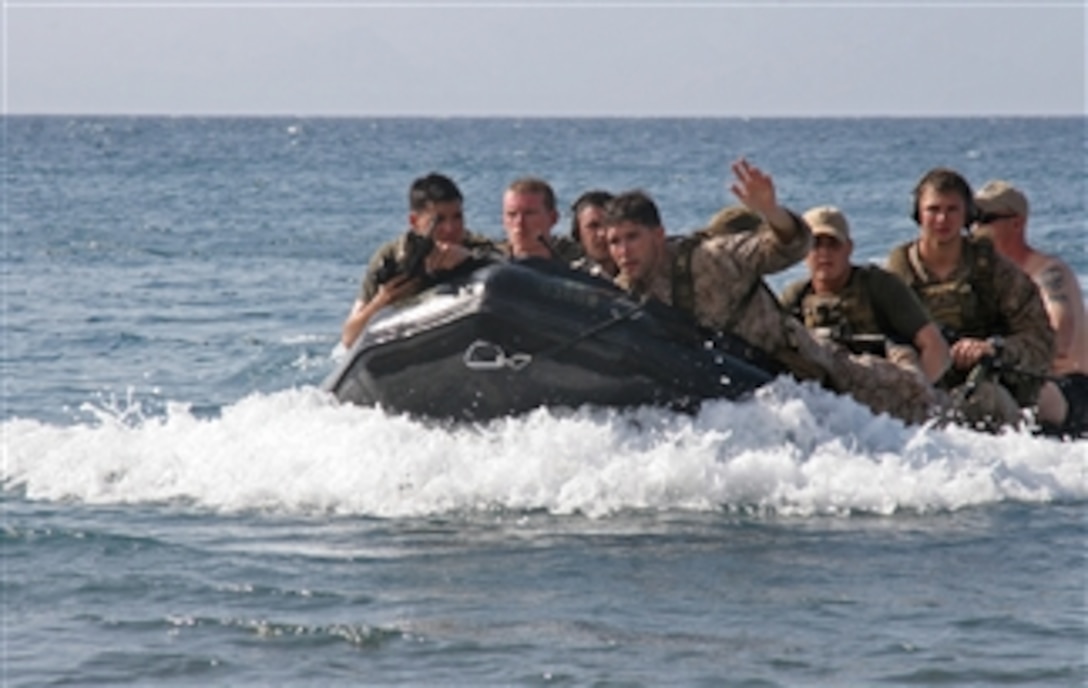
(794, 449)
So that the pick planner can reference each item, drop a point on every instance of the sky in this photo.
(559, 58)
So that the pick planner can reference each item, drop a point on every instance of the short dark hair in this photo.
(536, 185)
(590, 199)
(633, 206)
(432, 188)
(945, 180)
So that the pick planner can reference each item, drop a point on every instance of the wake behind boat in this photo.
(513, 336)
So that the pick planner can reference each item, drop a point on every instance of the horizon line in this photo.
(317, 115)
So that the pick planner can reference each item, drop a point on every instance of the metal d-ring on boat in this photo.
(484, 355)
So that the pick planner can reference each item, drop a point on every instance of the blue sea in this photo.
(183, 505)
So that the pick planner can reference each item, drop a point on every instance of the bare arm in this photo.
(1058, 294)
(444, 256)
(933, 352)
(363, 311)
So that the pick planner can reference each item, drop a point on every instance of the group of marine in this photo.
(967, 322)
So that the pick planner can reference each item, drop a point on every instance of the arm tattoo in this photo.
(1052, 281)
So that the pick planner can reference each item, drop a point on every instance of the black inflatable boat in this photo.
(513, 336)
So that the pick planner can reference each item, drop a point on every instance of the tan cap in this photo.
(999, 196)
(828, 220)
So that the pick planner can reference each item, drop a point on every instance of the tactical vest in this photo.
(967, 307)
(963, 307)
(843, 315)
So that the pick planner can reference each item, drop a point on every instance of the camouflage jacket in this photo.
(562, 248)
(725, 267)
(987, 295)
(395, 248)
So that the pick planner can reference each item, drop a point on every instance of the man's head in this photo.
(435, 199)
(1002, 211)
(943, 205)
(528, 215)
(587, 224)
(828, 260)
(636, 238)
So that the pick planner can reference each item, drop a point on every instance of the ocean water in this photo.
(182, 505)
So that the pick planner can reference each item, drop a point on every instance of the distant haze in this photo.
(544, 58)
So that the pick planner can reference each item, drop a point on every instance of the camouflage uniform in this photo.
(874, 313)
(396, 249)
(986, 296)
(728, 294)
(564, 249)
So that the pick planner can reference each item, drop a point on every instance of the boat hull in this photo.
(515, 336)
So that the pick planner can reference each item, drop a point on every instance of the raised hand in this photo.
(967, 352)
(754, 188)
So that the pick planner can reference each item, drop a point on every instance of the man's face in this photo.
(636, 249)
(526, 219)
(592, 233)
(449, 219)
(829, 259)
(941, 215)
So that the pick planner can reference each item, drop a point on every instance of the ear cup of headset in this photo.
(970, 210)
(915, 193)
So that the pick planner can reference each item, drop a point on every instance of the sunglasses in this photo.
(989, 218)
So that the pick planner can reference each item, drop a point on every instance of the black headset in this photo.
(946, 179)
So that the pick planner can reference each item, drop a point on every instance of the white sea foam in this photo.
(794, 449)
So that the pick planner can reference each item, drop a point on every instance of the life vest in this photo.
(965, 306)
